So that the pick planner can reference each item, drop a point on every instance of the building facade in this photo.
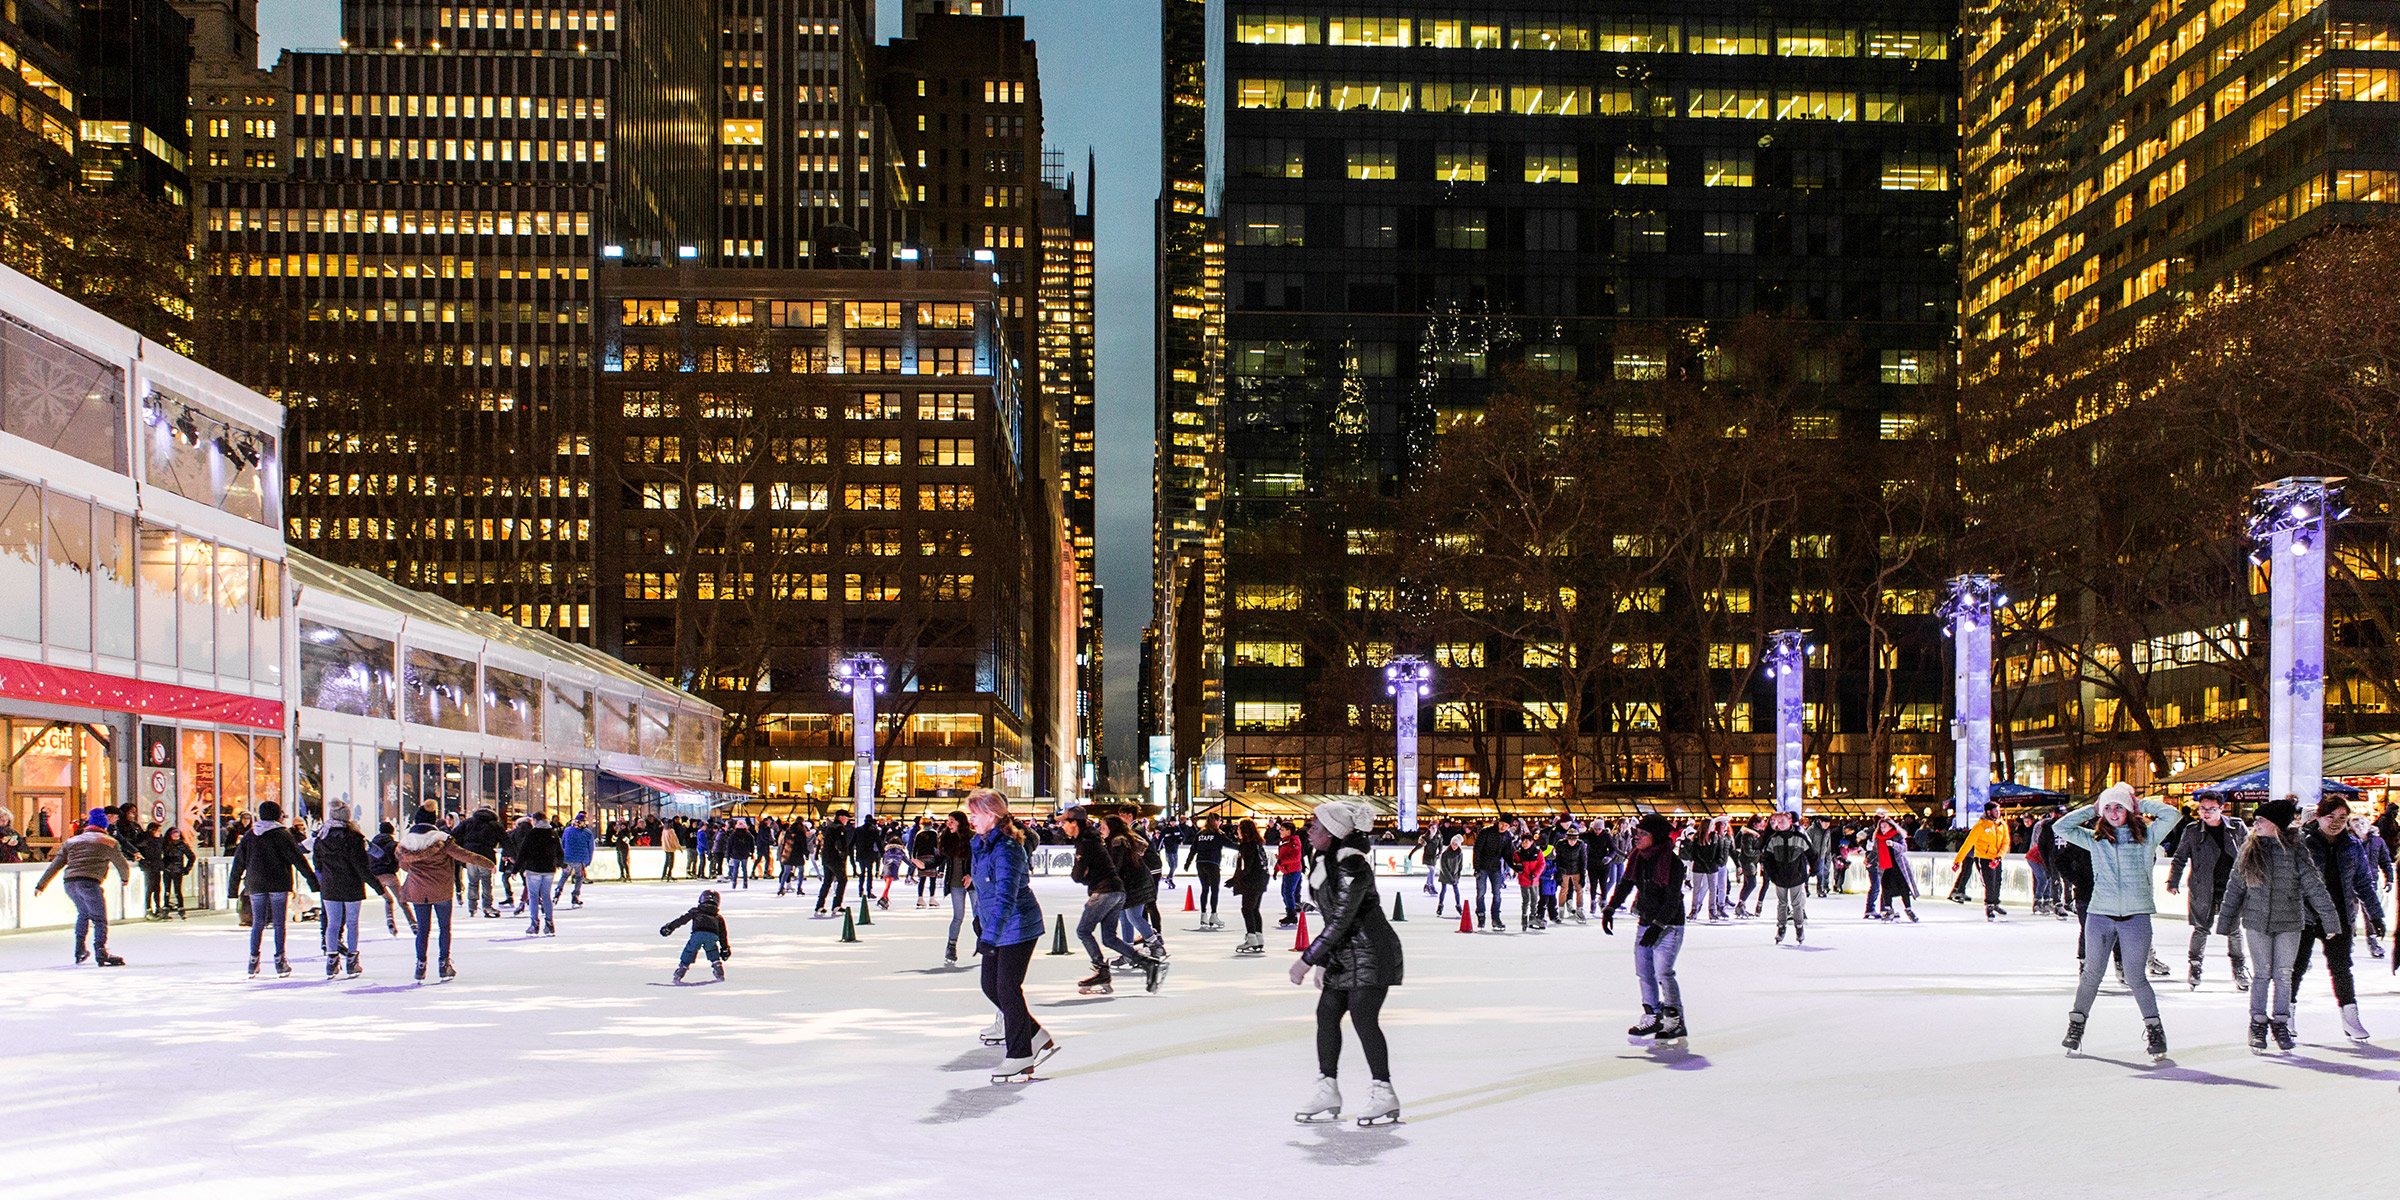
(1417, 202)
(2119, 164)
(806, 465)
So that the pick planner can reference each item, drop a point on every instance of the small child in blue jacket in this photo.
(708, 936)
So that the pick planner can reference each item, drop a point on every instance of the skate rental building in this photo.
(159, 645)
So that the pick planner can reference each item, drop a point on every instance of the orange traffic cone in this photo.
(1466, 922)
(1188, 906)
(1300, 937)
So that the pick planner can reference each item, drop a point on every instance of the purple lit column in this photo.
(1408, 679)
(1973, 598)
(2291, 520)
(1787, 659)
(862, 675)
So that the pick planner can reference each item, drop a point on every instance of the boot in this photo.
(1097, 983)
(1670, 1024)
(2351, 1025)
(717, 968)
(2284, 1037)
(1649, 1023)
(106, 959)
(281, 966)
(2194, 975)
(2074, 1038)
(2258, 1037)
(333, 965)
(352, 965)
(448, 971)
(950, 954)
(420, 970)
(253, 963)
(2154, 1038)
(681, 969)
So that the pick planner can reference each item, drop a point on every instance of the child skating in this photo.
(708, 936)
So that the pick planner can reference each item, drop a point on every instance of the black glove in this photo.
(727, 952)
(664, 930)
(1651, 934)
(983, 947)
(1608, 922)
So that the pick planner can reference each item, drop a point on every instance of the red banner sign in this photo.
(90, 689)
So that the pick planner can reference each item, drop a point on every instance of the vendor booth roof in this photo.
(2351, 756)
(2252, 785)
(1234, 806)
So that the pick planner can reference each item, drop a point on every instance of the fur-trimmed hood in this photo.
(424, 838)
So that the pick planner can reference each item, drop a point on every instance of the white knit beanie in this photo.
(1341, 818)
(2119, 793)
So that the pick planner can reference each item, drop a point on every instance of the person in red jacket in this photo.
(1532, 859)
(1288, 864)
(1890, 859)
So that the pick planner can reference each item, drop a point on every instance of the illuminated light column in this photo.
(1967, 617)
(1407, 679)
(1787, 659)
(2291, 520)
(861, 675)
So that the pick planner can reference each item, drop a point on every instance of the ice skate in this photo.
(549, 930)
(448, 972)
(1325, 1105)
(2374, 946)
(1383, 1106)
(104, 958)
(717, 969)
(1671, 1031)
(2351, 1026)
(2285, 1039)
(283, 966)
(950, 955)
(1156, 947)
(253, 964)
(1648, 1026)
(333, 965)
(1020, 1070)
(2258, 1037)
(391, 926)
(2241, 976)
(682, 971)
(1779, 935)
(1097, 984)
(351, 966)
(1912, 916)
(420, 970)
(2158, 970)
(2193, 976)
(2074, 1039)
(1800, 935)
(2154, 1039)
(1154, 972)
(1253, 945)
(993, 1034)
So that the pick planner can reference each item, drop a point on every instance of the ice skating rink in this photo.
(1880, 1060)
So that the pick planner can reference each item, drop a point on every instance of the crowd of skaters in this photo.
(2288, 884)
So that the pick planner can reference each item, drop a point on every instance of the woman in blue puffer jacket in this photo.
(1008, 924)
(2123, 835)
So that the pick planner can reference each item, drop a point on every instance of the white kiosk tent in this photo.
(405, 699)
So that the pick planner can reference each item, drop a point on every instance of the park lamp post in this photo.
(2291, 524)
(1787, 659)
(1967, 617)
(861, 675)
(1407, 679)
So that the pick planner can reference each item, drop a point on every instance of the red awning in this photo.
(90, 689)
(678, 783)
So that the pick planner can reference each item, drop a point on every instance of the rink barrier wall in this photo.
(203, 890)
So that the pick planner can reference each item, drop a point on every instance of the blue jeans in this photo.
(1291, 895)
(701, 942)
(427, 915)
(1654, 965)
(541, 900)
(1137, 927)
(1098, 927)
(267, 907)
(91, 914)
(341, 919)
(958, 912)
(1490, 878)
(2041, 883)
(737, 872)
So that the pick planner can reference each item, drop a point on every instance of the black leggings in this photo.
(1208, 886)
(1004, 986)
(1365, 1006)
(2337, 964)
(1895, 887)
(1252, 922)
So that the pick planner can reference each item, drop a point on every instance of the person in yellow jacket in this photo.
(1987, 844)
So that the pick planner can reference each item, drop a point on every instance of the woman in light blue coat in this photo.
(2123, 835)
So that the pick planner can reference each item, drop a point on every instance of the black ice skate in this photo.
(2154, 1040)
(448, 972)
(2258, 1037)
(1670, 1028)
(2074, 1039)
(253, 964)
(333, 965)
(1097, 984)
(1154, 972)
(717, 969)
(1648, 1026)
(2285, 1039)
(104, 958)
(282, 966)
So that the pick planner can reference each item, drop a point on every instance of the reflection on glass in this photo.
(199, 604)
(112, 584)
(233, 612)
(440, 691)
(159, 548)
(346, 672)
(20, 559)
(67, 573)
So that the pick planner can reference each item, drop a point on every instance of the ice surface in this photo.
(1880, 1060)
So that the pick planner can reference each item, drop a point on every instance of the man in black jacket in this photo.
(1493, 851)
(1789, 860)
(262, 867)
(540, 856)
(833, 855)
(2208, 847)
(480, 835)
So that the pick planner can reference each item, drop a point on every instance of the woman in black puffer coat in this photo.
(1358, 955)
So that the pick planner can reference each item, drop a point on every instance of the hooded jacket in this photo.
(342, 865)
(266, 858)
(1358, 947)
(703, 918)
(479, 834)
(431, 859)
(1987, 841)
(2292, 898)
(2344, 871)
(1788, 857)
